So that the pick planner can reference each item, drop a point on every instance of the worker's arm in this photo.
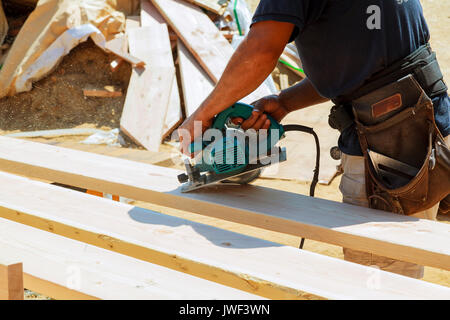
(299, 96)
(250, 65)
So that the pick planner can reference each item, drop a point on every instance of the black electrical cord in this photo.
(315, 180)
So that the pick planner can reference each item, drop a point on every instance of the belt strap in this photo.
(422, 64)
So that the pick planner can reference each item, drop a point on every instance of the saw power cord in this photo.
(300, 128)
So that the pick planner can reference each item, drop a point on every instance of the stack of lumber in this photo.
(166, 29)
(88, 247)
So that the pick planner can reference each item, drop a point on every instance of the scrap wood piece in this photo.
(11, 278)
(197, 85)
(132, 22)
(119, 46)
(63, 268)
(239, 261)
(284, 81)
(200, 35)
(119, 43)
(378, 232)
(228, 34)
(134, 61)
(149, 90)
(150, 16)
(106, 92)
(210, 5)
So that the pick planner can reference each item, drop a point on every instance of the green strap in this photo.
(291, 66)
(237, 19)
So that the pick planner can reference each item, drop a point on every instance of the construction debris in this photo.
(170, 77)
(107, 92)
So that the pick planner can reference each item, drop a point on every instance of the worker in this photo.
(349, 50)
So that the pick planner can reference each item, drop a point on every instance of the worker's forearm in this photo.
(250, 65)
(300, 96)
(247, 69)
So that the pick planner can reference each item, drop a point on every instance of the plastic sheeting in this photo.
(46, 31)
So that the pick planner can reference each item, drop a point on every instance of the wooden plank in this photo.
(97, 93)
(150, 16)
(198, 33)
(203, 39)
(132, 22)
(69, 269)
(121, 42)
(196, 83)
(284, 81)
(11, 279)
(134, 61)
(229, 258)
(211, 5)
(160, 158)
(148, 93)
(400, 237)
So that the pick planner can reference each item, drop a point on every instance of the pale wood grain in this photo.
(11, 279)
(196, 83)
(211, 5)
(67, 269)
(202, 38)
(400, 237)
(149, 90)
(257, 266)
(150, 16)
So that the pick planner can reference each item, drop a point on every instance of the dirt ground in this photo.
(57, 102)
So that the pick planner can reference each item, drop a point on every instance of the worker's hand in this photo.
(187, 132)
(268, 105)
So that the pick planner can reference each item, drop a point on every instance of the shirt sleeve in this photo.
(298, 12)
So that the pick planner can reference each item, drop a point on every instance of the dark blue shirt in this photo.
(339, 51)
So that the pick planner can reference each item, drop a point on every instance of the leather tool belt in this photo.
(406, 159)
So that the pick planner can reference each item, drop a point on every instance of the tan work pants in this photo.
(353, 190)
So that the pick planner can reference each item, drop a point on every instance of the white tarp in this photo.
(56, 51)
(52, 30)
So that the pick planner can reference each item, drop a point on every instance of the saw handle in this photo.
(238, 110)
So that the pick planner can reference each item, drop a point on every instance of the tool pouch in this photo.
(407, 161)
